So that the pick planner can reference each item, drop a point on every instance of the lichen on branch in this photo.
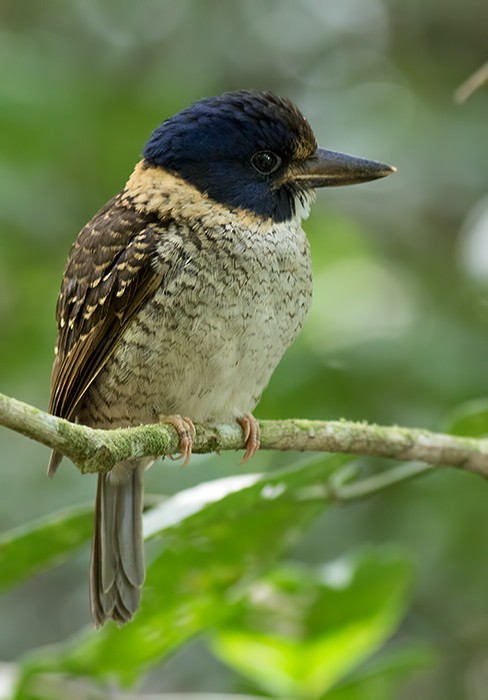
(93, 450)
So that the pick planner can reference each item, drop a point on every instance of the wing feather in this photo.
(109, 276)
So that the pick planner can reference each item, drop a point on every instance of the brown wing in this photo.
(109, 275)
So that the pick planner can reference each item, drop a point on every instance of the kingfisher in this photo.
(180, 296)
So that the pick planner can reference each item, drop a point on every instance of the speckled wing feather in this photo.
(108, 278)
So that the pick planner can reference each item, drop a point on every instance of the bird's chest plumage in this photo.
(231, 302)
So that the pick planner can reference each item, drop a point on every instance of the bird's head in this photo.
(254, 151)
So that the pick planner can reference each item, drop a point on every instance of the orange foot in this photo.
(250, 427)
(186, 432)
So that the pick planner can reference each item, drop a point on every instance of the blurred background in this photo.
(398, 332)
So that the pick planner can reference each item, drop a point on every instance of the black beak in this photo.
(331, 169)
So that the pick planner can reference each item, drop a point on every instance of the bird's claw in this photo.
(250, 428)
(186, 433)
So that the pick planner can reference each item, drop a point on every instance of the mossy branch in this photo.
(94, 450)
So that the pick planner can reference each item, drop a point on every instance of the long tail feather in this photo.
(117, 564)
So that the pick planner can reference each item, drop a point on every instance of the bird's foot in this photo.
(250, 428)
(186, 432)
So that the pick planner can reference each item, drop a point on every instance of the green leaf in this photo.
(469, 419)
(42, 544)
(300, 631)
(383, 677)
(213, 540)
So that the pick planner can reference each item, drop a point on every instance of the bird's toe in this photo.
(250, 428)
(186, 433)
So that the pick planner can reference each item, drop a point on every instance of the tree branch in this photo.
(471, 84)
(94, 450)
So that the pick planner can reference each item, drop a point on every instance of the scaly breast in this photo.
(206, 345)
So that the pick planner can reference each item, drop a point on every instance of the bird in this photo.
(182, 293)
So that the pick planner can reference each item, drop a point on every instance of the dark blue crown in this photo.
(211, 143)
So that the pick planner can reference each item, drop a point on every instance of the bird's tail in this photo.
(117, 563)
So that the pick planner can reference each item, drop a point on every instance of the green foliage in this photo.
(383, 677)
(296, 631)
(300, 631)
(200, 560)
(470, 418)
(40, 545)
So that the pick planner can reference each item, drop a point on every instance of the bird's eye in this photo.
(265, 162)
